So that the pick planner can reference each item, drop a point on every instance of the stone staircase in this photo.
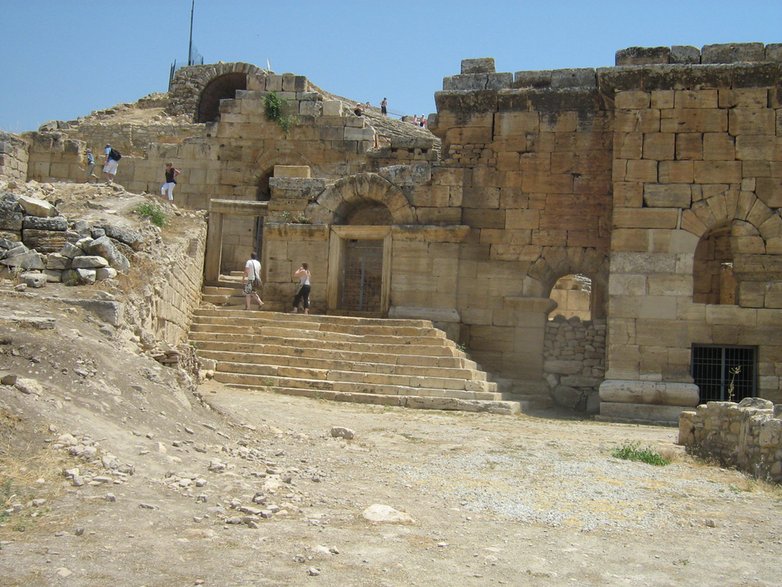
(406, 363)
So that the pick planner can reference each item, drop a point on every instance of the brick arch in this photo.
(189, 86)
(338, 201)
(745, 207)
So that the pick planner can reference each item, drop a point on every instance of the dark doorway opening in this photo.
(362, 278)
(218, 89)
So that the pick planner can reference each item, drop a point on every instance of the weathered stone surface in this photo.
(478, 65)
(45, 223)
(643, 55)
(130, 237)
(103, 247)
(649, 392)
(733, 52)
(381, 513)
(11, 214)
(57, 261)
(37, 207)
(89, 262)
(24, 259)
(103, 273)
(685, 54)
(43, 241)
(33, 279)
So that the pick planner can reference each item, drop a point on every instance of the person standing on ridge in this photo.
(384, 107)
(168, 187)
(111, 163)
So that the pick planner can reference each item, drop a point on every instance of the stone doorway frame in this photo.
(218, 209)
(338, 237)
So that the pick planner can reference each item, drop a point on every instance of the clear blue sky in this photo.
(65, 58)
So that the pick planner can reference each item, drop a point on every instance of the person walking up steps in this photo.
(303, 293)
(91, 165)
(252, 281)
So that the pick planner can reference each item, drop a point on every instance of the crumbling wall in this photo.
(747, 435)
(574, 367)
(13, 157)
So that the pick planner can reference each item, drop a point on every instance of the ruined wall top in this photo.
(636, 68)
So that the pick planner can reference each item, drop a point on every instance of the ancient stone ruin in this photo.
(658, 182)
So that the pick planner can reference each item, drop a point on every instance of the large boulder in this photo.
(103, 247)
(128, 236)
(47, 223)
(37, 207)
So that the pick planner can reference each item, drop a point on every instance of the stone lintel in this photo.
(292, 171)
(431, 233)
(238, 207)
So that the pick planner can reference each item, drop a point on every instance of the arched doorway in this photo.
(573, 295)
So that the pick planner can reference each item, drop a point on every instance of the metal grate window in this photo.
(715, 367)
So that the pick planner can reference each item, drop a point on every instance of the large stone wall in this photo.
(747, 435)
(13, 157)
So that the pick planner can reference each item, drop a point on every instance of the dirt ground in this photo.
(179, 484)
(528, 500)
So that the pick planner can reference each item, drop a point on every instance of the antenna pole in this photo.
(190, 46)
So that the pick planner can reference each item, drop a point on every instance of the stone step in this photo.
(294, 359)
(204, 338)
(351, 386)
(273, 330)
(311, 318)
(301, 322)
(403, 401)
(358, 376)
(220, 350)
(346, 358)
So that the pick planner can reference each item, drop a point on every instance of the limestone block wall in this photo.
(529, 156)
(574, 366)
(55, 156)
(13, 157)
(747, 435)
(696, 148)
(165, 305)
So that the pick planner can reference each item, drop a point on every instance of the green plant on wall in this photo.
(276, 110)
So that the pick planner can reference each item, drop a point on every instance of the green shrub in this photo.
(154, 213)
(276, 110)
(632, 452)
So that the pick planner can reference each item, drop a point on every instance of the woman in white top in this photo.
(252, 272)
(303, 293)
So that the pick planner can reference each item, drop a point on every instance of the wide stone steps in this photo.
(362, 377)
(406, 363)
(374, 365)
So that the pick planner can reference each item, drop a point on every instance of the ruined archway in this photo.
(220, 88)
(365, 195)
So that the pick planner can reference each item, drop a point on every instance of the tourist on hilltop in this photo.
(90, 165)
(358, 110)
(303, 293)
(168, 187)
(252, 281)
(111, 163)
(384, 107)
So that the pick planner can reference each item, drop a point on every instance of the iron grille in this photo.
(714, 368)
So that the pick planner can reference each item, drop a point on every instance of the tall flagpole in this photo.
(190, 46)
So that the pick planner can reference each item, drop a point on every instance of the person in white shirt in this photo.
(252, 281)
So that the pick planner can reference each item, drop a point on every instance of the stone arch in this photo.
(556, 262)
(340, 201)
(730, 206)
(189, 85)
(219, 88)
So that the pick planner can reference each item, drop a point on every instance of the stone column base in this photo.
(646, 401)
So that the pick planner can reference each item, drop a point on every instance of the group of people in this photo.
(111, 164)
(252, 285)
